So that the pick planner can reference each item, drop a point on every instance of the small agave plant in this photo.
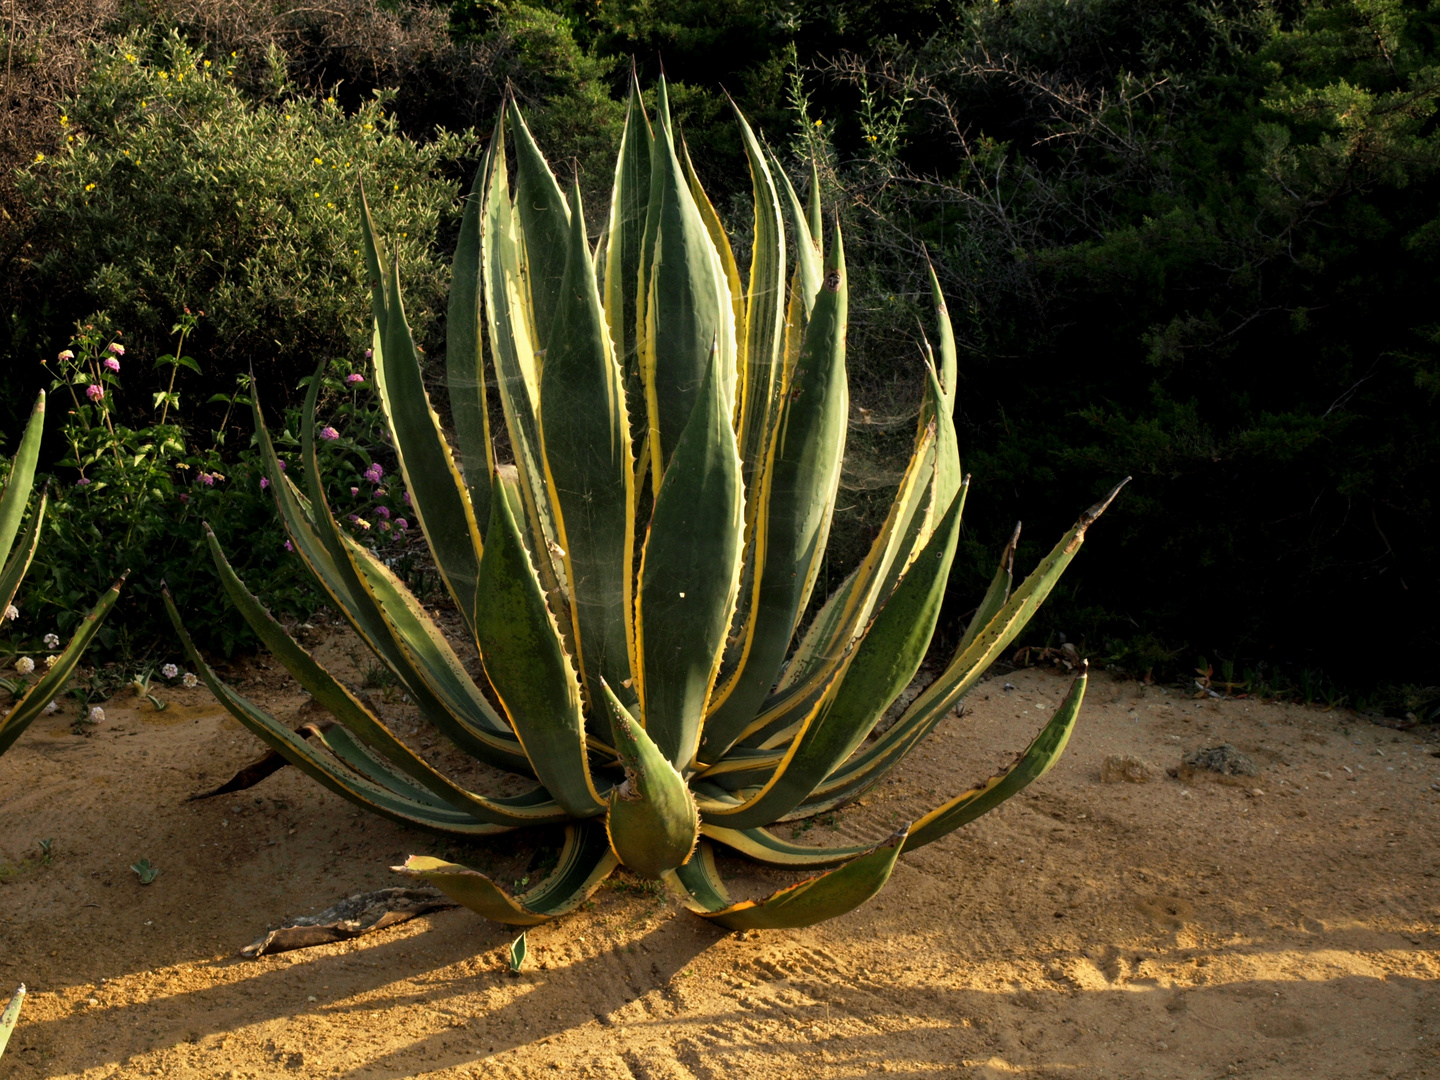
(634, 581)
(16, 560)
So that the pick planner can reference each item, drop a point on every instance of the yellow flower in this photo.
(207, 63)
(89, 187)
(130, 57)
(819, 122)
(319, 162)
(64, 120)
(39, 158)
(164, 75)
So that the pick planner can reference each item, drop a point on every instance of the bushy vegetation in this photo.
(1193, 242)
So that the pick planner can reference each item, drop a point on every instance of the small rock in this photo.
(1223, 759)
(1122, 768)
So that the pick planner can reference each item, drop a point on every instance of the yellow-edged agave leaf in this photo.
(624, 242)
(689, 575)
(11, 1016)
(513, 348)
(995, 596)
(437, 492)
(464, 360)
(585, 861)
(544, 228)
(685, 299)
(661, 688)
(880, 665)
(802, 904)
(585, 437)
(527, 665)
(801, 478)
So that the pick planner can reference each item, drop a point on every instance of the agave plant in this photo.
(635, 578)
(16, 560)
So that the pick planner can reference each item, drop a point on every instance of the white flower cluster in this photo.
(24, 665)
(52, 641)
(169, 671)
(190, 680)
(12, 612)
(97, 714)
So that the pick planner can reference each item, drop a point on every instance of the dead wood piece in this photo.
(363, 913)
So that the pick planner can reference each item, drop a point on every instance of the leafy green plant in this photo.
(146, 872)
(518, 949)
(648, 556)
(37, 697)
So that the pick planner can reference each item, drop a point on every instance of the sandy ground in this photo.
(1283, 927)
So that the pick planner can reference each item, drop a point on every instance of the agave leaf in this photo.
(932, 704)
(464, 360)
(807, 902)
(995, 596)
(10, 1016)
(22, 476)
(726, 253)
(809, 260)
(518, 951)
(1039, 757)
(544, 227)
(435, 679)
(686, 308)
(624, 242)
(802, 475)
(876, 670)
(14, 571)
(585, 435)
(33, 703)
(585, 861)
(367, 727)
(689, 574)
(765, 847)
(439, 498)
(841, 618)
(653, 824)
(813, 205)
(948, 373)
(339, 778)
(513, 350)
(374, 266)
(526, 661)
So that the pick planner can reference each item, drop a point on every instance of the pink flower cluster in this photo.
(111, 364)
(328, 433)
(374, 473)
(94, 392)
(352, 379)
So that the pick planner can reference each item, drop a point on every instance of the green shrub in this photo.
(174, 190)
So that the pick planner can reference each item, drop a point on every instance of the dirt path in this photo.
(1285, 927)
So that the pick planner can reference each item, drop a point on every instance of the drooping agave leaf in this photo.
(653, 823)
(585, 437)
(343, 780)
(10, 1017)
(367, 727)
(802, 904)
(802, 475)
(33, 703)
(464, 359)
(526, 661)
(689, 575)
(401, 634)
(684, 297)
(585, 861)
(22, 476)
